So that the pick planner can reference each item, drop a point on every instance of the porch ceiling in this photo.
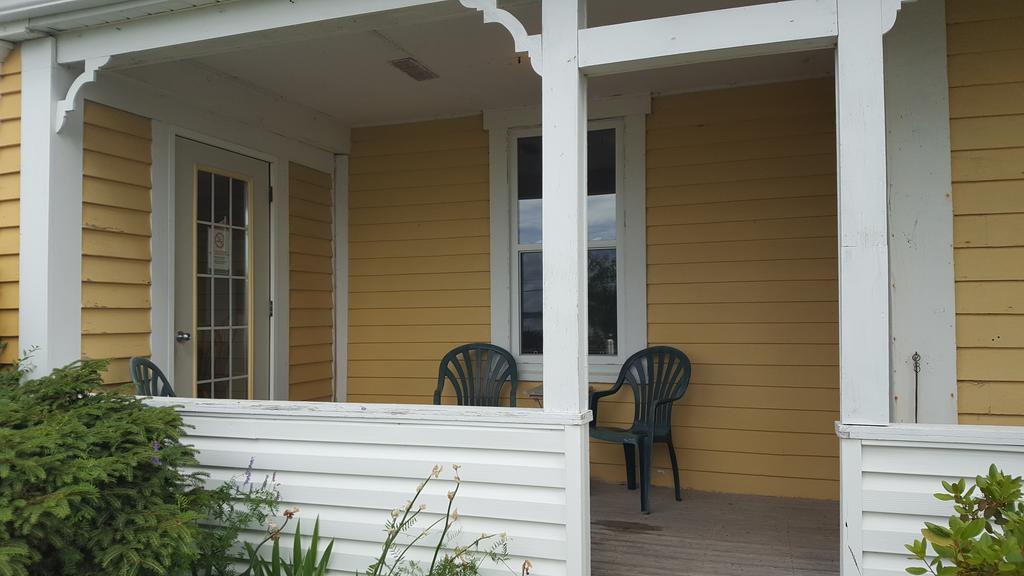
(349, 76)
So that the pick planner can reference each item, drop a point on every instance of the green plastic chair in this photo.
(149, 380)
(658, 376)
(478, 373)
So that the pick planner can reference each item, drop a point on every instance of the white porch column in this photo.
(50, 315)
(920, 216)
(863, 231)
(564, 132)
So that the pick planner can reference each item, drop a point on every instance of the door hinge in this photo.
(271, 307)
(271, 193)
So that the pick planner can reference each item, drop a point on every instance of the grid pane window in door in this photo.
(222, 286)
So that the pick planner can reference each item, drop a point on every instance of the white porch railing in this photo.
(352, 464)
(894, 472)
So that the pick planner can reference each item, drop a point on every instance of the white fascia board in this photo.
(216, 21)
(791, 26)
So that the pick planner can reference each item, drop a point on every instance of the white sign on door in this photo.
(220, 250)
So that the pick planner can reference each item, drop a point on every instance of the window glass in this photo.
(602, 175)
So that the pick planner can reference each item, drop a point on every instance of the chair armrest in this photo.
(595, 396)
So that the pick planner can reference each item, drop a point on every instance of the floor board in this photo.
(711, 534)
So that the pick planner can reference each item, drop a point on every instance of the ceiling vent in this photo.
(414, 69)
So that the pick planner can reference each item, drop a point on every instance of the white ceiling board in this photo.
(348, 76)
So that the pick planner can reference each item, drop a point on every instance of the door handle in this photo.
(183, 336)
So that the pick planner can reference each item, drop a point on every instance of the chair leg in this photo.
(645, 474)
(675, 469)
(630, 451)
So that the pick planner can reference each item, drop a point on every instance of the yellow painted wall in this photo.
(311, 284)
(985, 40)
(10, 207)
(741, 265)
(742, 276)
(418, 254)
(116, 231)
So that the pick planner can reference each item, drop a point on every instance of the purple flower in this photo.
(156, 461)
(248, 472)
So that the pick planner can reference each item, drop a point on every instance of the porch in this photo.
(400, 227)
(712, 534)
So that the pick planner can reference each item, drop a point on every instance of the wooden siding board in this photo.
(742, 276)
(10, 206)
(116, 230)
(311, 284)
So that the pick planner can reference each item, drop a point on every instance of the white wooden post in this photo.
(50, 308)
(564, 132)
(863, 230)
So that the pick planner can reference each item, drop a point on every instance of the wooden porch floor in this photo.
(711, 534)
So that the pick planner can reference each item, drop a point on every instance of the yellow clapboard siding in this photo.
(310, 335)
(800, 186)
(116, 229)
(986, 68)
(711, 292)
(399, 282)
(974, 10)
(419, 252)
(421, 195)
(1005, 263)
(987, 132)
(992, 419)
(1002, 364)
(10, 206)
(986, 100)
(115, 321)
(116, 194)
(982, 165)
(110, 167)
(989, 230)
(311, 284)
(985, 35)
(99, 295)
(1002, 398)
(420, 299)
(730, 483)
(1000, 197)
(104, 140)
(742, 275)
(105, 346)
(115, 219)
(115, 245)
(100, 115)
(996, 297)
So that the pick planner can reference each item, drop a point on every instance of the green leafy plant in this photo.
(91, 482)
(228, 509)
(985, 535)
(464, 560)
(302, 563)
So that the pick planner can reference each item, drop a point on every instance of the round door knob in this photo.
(183, 336)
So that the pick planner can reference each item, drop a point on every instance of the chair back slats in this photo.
(479, 374)
(656, 375)
(149, 380)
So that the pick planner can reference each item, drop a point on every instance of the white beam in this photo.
(215, 22)
(920, 216)
(789, 26)
(50, 310)
(863, 230)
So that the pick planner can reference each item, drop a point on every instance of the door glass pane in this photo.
(222, 296)
(602, 302)
(528, 181)
(531, 303)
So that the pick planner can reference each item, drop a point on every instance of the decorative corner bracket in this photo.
(890, 9)
(73, 99)
(530, 44)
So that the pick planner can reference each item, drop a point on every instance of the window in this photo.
(603, 172)
(616, 265)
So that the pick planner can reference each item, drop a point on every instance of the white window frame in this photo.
(627, 115)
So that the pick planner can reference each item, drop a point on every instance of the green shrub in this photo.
(985, 535)
(90, 481)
